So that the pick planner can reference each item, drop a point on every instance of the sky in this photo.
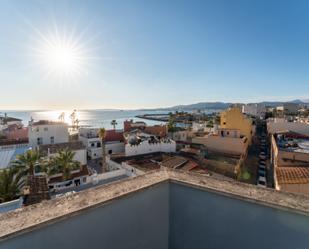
(147, 54)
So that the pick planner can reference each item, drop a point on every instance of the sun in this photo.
(61, 54)
(62, 58)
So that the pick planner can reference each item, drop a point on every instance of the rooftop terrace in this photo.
(163, 209)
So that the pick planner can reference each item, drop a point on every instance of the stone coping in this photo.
(31, 217)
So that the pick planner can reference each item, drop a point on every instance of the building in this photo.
(138, 143)
(16, 133)
(288, 108)
(256, 110)
(114, 142)
(290, 160)
(203, 127)
(233, 118)
(221, 142)
(50, 150)
(156, 130)
(47, 132)
(180, 135)
(9, 152)
(163, 209)
(10, 121)
(275, 125)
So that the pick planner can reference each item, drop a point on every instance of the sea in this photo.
(87, 118)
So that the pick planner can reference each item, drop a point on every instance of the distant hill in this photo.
(222, 105)
(202, 106)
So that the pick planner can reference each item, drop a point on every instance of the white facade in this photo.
(110, 148)
(94, 146)
(146, 147)
(256, 110)
(47, 133)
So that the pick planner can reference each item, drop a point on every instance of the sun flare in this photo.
(62, 54)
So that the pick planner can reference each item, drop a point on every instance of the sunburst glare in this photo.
(62, 54)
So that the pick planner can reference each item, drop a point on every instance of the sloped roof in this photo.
(292, 175)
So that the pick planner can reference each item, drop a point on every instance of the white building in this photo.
(114, 142)
(256, 110)
(139, 143)
(47, 132)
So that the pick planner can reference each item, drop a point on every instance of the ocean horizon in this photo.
(87, 118)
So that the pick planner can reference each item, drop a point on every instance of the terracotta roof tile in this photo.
(292, 175)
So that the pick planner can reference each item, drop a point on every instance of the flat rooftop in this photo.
(162, 209)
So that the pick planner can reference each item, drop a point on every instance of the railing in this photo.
(10, 205)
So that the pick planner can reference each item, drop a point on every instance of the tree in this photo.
(25, 164)
(114, 123)
(63, 163)
(9, 185)
(171, 125)
(102, 135)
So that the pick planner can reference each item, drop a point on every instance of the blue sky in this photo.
(142, 54)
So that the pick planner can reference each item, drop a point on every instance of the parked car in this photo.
(261, 182)
(262, 157)
(262, 172)
(262, 161)
(261, 166)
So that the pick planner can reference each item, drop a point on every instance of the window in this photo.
(98, 144)
(37, 129)
(52, 140)
(45, 128)
(92, 144)
(39, 140)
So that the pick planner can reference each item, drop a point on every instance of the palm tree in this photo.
(114, 123)
(102, 134)
(9, 184)
(171, 125)
(64, 163)
(25, 164)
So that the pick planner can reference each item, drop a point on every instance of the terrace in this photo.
(163, 209)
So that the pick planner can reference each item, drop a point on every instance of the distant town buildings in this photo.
(257, 110)
(288, 108)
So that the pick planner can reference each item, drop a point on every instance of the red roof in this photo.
(114, 135)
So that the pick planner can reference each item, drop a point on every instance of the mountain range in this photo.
(224, 105)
